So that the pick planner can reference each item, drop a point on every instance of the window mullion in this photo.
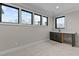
(19, 16)
(0, 11)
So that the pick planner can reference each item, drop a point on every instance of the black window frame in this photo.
(56, 22)
(10, 7)
(40, 18)
(47, 20)
(30, 13)
(17, 8)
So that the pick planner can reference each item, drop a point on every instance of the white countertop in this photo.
(65, 32)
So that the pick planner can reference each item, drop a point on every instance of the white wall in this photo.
(16, 35)
(71, 25)
(71, 22)
(13, 35)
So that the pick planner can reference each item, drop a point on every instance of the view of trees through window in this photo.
(37, 19)
(9, 14)
(60, 22)
(26, 17)
(44, 20)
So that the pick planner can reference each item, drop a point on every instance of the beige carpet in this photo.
(47, 48)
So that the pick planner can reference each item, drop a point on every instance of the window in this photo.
(9, 14)
(37, 19)
(26, 17)
(59, 22)
(44, 20)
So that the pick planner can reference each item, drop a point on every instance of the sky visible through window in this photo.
(9, 14)
(60, 22)
(36, 19)
(44, 21)
(26, 17)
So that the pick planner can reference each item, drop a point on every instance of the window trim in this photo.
(47, 20)
(30, 13)
(10, 7)
(0, 12)
(56, 22)
(40, 18)
(19, 14)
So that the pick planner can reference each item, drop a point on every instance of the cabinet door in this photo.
(55, 36)
(58, 37)
(52, 36)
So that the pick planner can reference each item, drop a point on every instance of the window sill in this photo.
(15, 24)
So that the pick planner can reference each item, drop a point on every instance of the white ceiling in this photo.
(50, 8)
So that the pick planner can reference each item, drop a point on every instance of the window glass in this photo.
(37, 19)
(44, 20)
(9, 14)
(26, 17)
(60, 22)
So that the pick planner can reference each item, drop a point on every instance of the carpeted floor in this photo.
(47, 48)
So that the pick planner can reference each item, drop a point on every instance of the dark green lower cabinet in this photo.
(55, 36)
(59, 37)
